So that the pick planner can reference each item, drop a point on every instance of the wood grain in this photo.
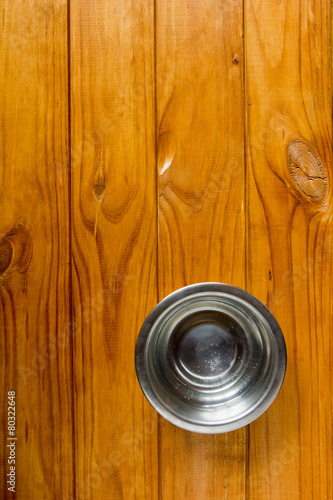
(200, 118)
(289, 116)
(147, 145)
(35, 347)
(114, 243)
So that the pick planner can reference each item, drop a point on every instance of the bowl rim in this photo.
(184, 292)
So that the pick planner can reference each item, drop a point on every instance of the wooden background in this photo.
(147, 145)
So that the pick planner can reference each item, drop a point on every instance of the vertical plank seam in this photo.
(246, 174)
(246, 231)
(156, 149)
(69, 171)
(330, 302)
(159, 469)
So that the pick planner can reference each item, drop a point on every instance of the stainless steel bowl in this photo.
(210, 358)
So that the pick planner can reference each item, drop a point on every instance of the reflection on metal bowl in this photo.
(210, 358)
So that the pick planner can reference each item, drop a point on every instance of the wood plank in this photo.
(289, 116)
(34, 249)
(114, 243)
(200, 116)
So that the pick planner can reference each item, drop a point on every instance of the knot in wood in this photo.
(307, 170)
(15, 251)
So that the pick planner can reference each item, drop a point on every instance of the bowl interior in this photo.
(210, 358)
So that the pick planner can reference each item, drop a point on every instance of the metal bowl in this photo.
(210, 358)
